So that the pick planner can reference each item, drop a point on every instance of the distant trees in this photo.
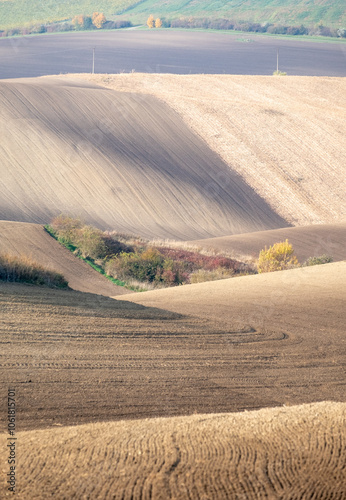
(150, 21)
(81, 22)
(247, 26)
(98, 19)
(154, 23)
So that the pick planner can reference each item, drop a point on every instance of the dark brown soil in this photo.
(179, 52)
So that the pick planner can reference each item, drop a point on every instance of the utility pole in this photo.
(277, 60)
(93, 70)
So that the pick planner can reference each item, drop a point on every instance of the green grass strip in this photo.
(89, 261)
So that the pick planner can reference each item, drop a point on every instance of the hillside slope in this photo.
(122, 161)
(243, 344)
(17, 238)
(284, 136)
(307, 241)
(291, 12)
(309, 298)
(296, 452)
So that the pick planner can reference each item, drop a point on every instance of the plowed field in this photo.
(119, 160)
(283, 135)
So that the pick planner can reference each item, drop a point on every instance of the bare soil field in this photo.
(290, 452)
(307, 300)
(168, 51)
(307, 241)
(122, 161)
(243, 343)
(19, 238)
(283, 135)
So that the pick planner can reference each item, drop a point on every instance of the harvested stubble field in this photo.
(279, 453)
(283, 135)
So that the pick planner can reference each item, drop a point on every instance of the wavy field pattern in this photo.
(122, 161)
(293, 452)
(283, 135)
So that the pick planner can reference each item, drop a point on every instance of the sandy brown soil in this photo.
(123, 161)
(284, 136)
(307, 241)
(308, 301)
(292, 452)
(19, 238)
(244, 343)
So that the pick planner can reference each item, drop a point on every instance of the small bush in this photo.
(316, 261)
(25, 270)
(279, 73)
(203, 275)
(66, 228)
(277, 258)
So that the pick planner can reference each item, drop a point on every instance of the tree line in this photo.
(79, 22)
(227, 24)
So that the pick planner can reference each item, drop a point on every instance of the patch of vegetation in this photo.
(278, 257)
(79, 22)
(316, 261)
(279, 73)
(25, 270)
(287, 18)
(138, 263)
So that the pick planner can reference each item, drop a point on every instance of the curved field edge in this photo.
(307, 241)
(282, 135)
(20, 238)
(287, 452)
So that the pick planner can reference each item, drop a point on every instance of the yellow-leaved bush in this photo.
(278, 257)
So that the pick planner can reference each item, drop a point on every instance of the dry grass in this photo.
(24, 269)
(18, 238)
(284, 136)
(289, 452)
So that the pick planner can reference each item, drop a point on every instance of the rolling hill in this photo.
(122, 161)
(294, 12)
(295, 452)
(283, 136)
(305, 300)
(307, 241)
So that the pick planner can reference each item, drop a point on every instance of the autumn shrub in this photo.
(66, 228)
(278, 257)
(135, 259)
(88, 241)
(24, 270)
(315, 261)
(148, 266)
